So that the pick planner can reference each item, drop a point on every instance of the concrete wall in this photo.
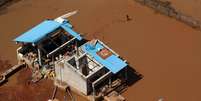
(70, 76)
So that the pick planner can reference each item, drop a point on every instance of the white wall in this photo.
(70, 76)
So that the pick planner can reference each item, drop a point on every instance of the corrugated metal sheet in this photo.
(67, 28)
(38, 32)
(41, 30)
(113, 63)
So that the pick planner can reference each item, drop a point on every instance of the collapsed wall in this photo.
(165, 8)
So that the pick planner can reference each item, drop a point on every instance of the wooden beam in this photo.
(60, 47)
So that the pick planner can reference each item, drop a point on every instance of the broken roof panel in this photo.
(113, 62)
(38, 32)
(70, 31)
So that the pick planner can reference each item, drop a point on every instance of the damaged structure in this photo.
(54, 50)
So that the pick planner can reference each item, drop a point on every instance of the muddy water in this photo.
(166, 52)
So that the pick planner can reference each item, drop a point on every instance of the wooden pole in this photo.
(39, 57)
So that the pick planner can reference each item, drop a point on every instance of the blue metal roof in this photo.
(113, 63)
(40, 31)
(70, 31)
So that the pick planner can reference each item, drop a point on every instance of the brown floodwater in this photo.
(166, 52)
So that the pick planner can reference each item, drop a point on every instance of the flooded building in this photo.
(54, 50)
(93, 68)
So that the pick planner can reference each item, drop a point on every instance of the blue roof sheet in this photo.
(113, 63)
(70, 31)
(41, 30)
(38, 32)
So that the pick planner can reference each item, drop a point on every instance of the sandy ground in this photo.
(166, 52)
